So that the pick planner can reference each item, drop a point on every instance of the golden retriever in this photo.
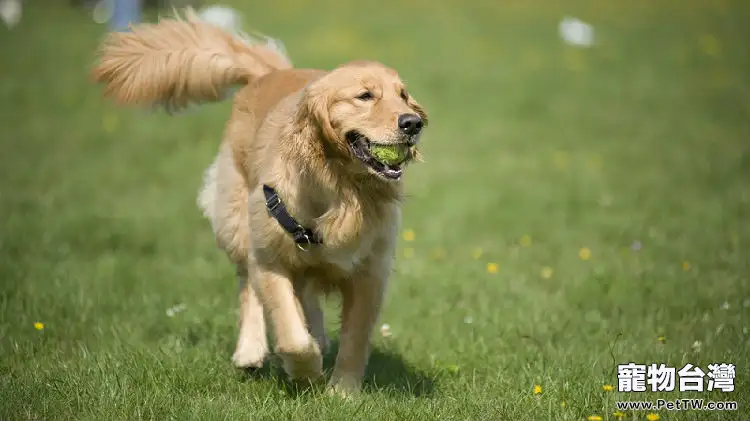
(297, 142)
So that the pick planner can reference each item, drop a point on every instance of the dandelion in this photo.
(686, 266)
(594, 418)
(408, 253)
(409, 235)
(385, 330)
(652, 417)
(619, 415)
(38, 325)
(546, 272)
(525, 241)
(477, 253)
(584, 253)
(563, 404)
(607, 388)
(661, 339)
(492, 267)
(537, 389)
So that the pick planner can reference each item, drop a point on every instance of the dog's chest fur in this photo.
(377, 237)
(348, 258)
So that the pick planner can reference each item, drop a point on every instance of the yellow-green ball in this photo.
(390, 154)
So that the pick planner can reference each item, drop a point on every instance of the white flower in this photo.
(385, 330)
(176, 309)
(697, 346)
(576, 32)
(10, 12)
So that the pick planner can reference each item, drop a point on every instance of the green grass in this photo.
(642, 138)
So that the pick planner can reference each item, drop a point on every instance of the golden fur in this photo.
(288, 129)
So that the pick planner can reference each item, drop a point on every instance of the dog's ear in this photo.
(315, 110)
(414, 105)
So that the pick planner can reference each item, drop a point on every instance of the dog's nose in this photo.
(410, 124)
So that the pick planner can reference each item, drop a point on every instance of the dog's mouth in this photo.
(361, 148)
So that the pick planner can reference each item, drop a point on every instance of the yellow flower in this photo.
(594, 418)
(661, 339)
(38, 325)
(409, 253)
(686, 266)
(492, 267)
(546, 272)
(477, 253)
(409, 235)
(584, 253)
(607, 388)
(563, 404)
(619, 415)
(653, 417)
(537, 389)
(525, 241)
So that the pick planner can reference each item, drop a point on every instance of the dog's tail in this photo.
(182, 60)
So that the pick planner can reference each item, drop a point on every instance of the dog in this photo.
(294, 196)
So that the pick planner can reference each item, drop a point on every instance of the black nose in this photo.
(410, 124)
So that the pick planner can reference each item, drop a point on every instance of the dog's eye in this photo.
(404, 95)
(365, 96)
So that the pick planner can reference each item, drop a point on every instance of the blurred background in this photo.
(584, 202)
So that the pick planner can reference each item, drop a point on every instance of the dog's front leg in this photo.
(294, 344)
(362, 300)
(252, 344)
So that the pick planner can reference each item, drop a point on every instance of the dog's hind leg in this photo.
(223, 200)
(310, 302)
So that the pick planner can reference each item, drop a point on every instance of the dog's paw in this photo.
(249, 354)
(305, 363)
(343, 386)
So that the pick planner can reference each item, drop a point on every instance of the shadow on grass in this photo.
(386, 372)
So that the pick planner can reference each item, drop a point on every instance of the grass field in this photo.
(579, 209)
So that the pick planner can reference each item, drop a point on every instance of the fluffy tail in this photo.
(182, 60)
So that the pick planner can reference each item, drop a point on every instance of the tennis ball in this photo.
(390, 154)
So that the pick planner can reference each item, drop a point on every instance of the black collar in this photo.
(302, 236)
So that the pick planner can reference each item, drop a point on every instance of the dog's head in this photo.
(361, 104)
